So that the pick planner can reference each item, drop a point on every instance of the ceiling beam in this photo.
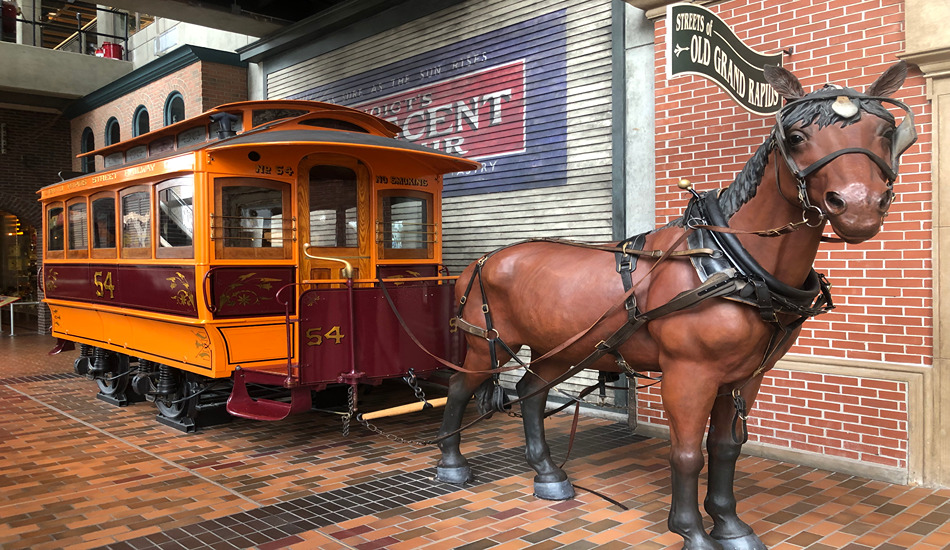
(206, 15)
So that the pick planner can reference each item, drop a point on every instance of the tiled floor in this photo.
(76, 472)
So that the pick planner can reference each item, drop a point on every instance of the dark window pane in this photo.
(103, 223)
(54, 228)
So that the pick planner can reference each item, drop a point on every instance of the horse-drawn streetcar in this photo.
(251, 243)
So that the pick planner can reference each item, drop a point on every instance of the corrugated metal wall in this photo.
(556, 182)
(576, 202)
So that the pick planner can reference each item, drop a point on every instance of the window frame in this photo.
(61, 252)
(87, 164)
(167, 109)
(70, 251)
(222, 252)
(427, 253)
(360, 222)
(135, 252)
(104, 252)
(187, 252)
(112, 123)
(136, 120)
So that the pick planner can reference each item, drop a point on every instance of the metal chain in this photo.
(350, 409)
(392, 437)
(414, 384)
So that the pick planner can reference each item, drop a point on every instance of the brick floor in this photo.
(76, 472)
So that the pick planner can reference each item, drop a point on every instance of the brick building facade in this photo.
(844, 392)
(35, 149)
(203, 78)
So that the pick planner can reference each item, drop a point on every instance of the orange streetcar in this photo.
(264, 242)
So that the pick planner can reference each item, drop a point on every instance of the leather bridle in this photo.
(904, 136)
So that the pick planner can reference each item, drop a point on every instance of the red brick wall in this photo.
(203, 85)
(37, 148)
(882, 288)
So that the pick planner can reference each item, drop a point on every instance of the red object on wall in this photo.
(111, 50)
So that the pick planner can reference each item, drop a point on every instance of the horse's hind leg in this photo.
(731, 532)
(452, 467)
(551, 483)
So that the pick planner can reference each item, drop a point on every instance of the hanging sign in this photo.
(700, 43)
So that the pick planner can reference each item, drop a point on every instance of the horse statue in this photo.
(711, 300)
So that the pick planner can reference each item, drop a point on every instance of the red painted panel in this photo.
(165, 289)
(250, 291)
(382, 349)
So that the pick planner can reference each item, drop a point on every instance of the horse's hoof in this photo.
(554, 490)
(747, 542)
(457, 476)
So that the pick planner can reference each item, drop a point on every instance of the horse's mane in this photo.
(743, 188)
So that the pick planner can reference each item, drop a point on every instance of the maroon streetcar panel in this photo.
(249, 291)
(325, 344)
(164, 289)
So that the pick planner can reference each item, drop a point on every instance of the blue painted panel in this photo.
(499, 98)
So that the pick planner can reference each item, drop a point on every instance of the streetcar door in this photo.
(334, 218)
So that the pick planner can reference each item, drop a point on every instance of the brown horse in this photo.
(711, 352)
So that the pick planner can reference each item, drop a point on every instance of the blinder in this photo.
(904, 136)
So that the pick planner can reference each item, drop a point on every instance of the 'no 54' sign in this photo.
(700, 43)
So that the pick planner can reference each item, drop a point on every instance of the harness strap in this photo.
(626, 264)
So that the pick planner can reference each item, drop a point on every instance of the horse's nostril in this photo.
(835, 203)
(885, 202)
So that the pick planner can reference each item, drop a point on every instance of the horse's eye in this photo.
(889, 135)
(796, 138)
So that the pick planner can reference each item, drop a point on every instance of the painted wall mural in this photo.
(498, 98)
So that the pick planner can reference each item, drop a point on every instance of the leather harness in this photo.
(726, 270)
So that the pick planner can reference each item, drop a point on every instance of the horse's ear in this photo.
(784, 82)
(890, 81)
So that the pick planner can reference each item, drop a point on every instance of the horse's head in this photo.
(842, 147)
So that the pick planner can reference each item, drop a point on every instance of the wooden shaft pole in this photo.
(403, 409)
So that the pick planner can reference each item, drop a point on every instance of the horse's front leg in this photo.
(551, 481)
(688, 400)
(452, 466)
(723, 449)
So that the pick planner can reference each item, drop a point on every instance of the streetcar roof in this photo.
(252, 115)
(439, 161)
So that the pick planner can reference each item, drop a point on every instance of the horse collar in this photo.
(763, 290)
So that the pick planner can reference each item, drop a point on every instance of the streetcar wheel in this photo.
(81, 365)
(115, 380)
(183, 403)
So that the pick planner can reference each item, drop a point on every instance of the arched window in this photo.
(174, 108)
(112, 132)
(88, 144)
(140, 121)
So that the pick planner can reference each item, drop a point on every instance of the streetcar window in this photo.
(55, 227)
(77, 227)
(103, 223)
(136, 225)
(253, 220)
(333, 219)
(406, 230)
(176, 218)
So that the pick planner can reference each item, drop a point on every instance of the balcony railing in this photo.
(75, 27)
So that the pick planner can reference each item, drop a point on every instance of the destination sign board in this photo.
(700, 43)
